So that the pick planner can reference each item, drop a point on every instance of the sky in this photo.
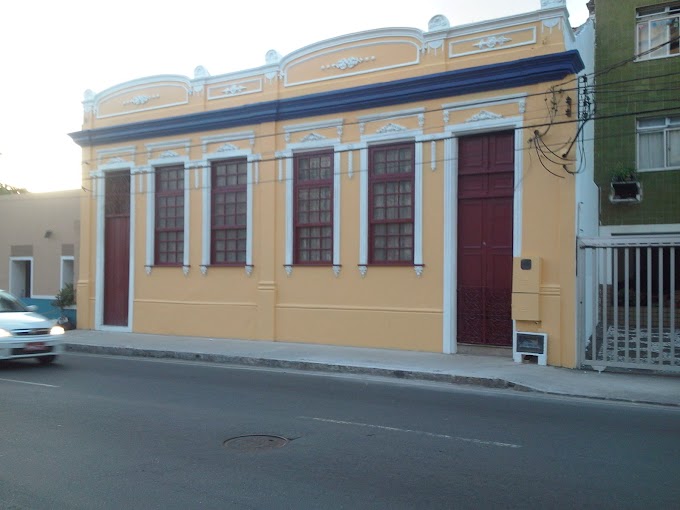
(53, 51)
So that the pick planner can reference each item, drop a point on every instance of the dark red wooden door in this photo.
(117, 249)
(485, 216)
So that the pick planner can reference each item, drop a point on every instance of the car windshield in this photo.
(9, 303)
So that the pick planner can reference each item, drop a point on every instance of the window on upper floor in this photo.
(313, 202)
(169, 228)
(658, 143)
(229, 210)
(391, 203)
(658, 31)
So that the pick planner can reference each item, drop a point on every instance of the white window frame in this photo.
(664, 12)
(151, 208)
(209, 158)
(64, 260)
(12, 260)
(671, 124)
(98, 176)
(455, 131)
(289, 156)
(414, 136)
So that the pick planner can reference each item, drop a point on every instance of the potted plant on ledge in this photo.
(65, 298)
(625, 186)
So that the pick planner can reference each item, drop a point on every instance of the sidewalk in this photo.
(488, 371)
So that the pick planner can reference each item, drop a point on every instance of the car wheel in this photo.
(46, 360)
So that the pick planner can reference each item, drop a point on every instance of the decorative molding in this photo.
(280, 156)
(147, 269)
(446, 116)
(438, 22)
(458, 82)
(492, 42)
(433, 155)
(522, 105)
(348, 63)
(391, 128)
(314, 137)
(185, 270)
(289, 269)
(273, 75)
(551, 23)
(421, 120)
(495, 42)
(204, 269)
(272, 57)
(200, 73)
(434, 45)
(167, 149)
(362, 128)
(234, 89)
(419, 270)
(115, 160)
(141, 99)
(350, 163)
(401, 49)
(484, 115)
(336, 270)
(313, 128)
(248, 85)
(249, 269)
(225, 139)
(362, 270)
(88, 101)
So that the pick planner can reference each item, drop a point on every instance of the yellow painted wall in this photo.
(389, 307)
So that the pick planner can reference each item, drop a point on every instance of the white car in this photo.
(27, 334)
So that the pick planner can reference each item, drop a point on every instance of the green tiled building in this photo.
(637, 126)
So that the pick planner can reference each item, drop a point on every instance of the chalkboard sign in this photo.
(531, 343)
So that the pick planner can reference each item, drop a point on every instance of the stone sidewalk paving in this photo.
(488, 371)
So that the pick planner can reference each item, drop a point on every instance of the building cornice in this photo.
(505, 75)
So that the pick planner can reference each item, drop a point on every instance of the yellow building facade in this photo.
(380, 189)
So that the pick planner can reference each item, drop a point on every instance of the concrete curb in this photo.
(298, 365)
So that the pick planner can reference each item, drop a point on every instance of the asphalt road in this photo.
(97, 432)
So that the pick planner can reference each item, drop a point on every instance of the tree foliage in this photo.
(6, 189)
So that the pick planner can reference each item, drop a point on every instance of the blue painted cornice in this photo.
(505, 75)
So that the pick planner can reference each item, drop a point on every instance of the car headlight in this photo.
(57, 330)
(4, 333)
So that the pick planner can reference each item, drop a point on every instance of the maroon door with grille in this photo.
(485, 205)
(116, 249)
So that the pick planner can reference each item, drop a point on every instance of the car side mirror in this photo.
(32, 308)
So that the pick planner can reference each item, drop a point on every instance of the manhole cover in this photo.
(255, 442)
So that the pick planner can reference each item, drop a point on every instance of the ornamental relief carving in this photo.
(227, 147)
(234, 89)
(227, 90)
(492, 42)
(347, 63)
(312, 137)
(484, 115)
(391, 128)
(168, 154)
(141, 99)
(438, 22)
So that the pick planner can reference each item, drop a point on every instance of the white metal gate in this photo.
(629, 295)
